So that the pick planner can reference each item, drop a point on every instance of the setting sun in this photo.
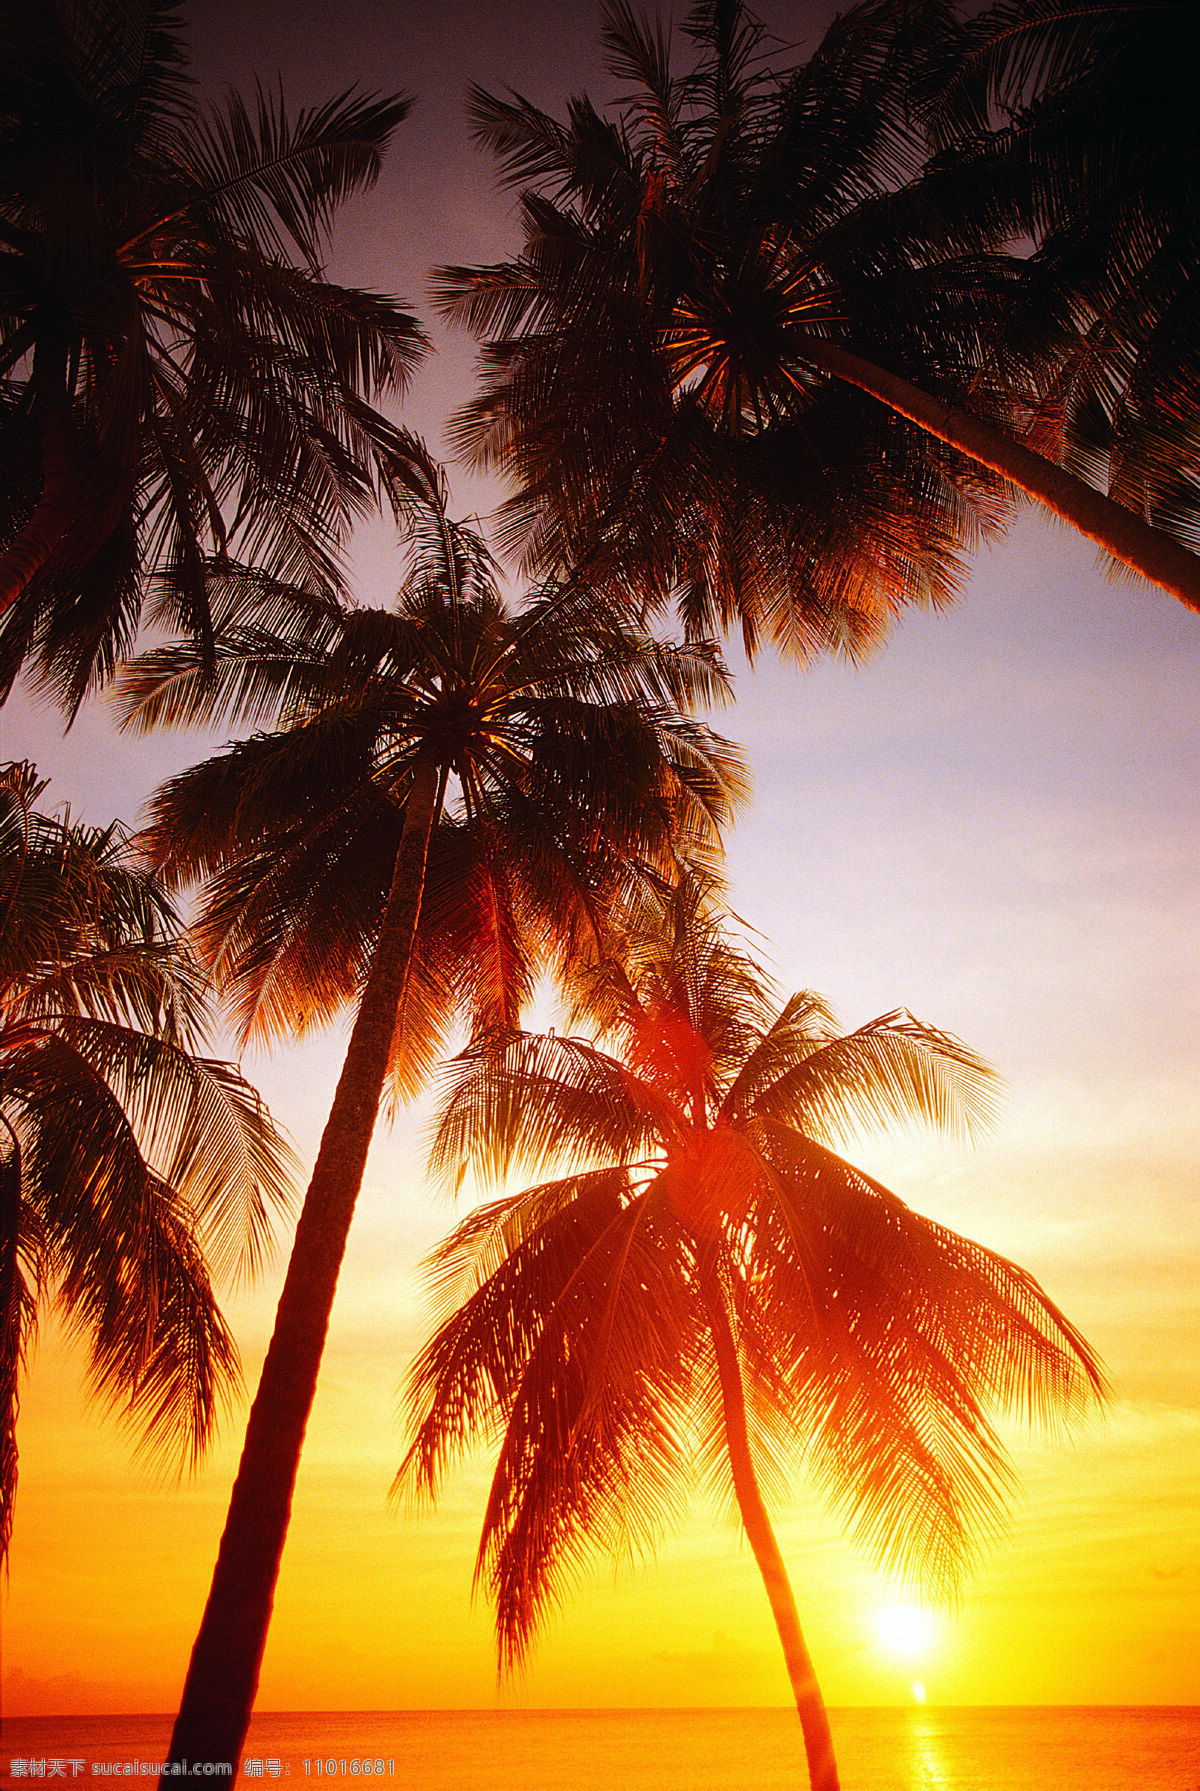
(904, 1631)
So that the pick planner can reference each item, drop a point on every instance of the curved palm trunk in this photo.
(814, 1719)
(1120, 532)
(222, 1678)
(55, 510)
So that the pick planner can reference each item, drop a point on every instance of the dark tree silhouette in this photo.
(177, 376)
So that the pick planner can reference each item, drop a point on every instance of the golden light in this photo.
(904, 1631)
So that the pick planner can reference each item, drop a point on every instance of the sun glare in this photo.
(904, 1631)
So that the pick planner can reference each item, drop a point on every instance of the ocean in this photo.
(913, 1749)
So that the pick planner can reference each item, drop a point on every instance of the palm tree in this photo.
(128, 1163)
(709, 1290)
(178, 377)
(1080, 123)
(734, 301)
(455, 792)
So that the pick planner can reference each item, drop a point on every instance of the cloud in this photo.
(70, 1694)
(724, 1660)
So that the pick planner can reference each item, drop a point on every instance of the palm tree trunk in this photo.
(222, 1678)
(55, 510)
(1122, 533)
(814, 1719)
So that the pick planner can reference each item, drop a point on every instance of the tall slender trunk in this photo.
(222, 1678)
(55, 510)
(814, 1719)
(1122, 533)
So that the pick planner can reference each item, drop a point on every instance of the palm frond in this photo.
(895, 1335)
(125, 1155)
(258, 173)
(540, 1100)
(540, 1335)
(892, 1070)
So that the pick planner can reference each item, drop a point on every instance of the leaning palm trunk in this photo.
(1121, 532)
(222, 1678)
(814, 1719)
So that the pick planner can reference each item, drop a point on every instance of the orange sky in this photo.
(993, 825)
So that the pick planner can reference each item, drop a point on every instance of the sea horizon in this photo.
(888, 1747)
(592, 1709)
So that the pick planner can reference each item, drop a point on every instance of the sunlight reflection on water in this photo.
(927, 1764)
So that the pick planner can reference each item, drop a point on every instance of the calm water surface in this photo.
(993, 1749)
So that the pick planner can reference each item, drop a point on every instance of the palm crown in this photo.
(127, 1161)
(719, 1290)
(180, 378)
(505, 712)
(645, 376)
(677, 366)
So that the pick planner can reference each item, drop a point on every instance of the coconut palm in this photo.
(177, 376)
(128, 1163)
(454, 792)
(709, 1290)
(1080, 123)
(735, 300)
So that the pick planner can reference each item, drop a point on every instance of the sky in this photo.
(992, 824)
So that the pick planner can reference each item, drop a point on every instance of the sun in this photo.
(904, 1631)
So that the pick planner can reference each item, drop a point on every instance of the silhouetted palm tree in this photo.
(734, 301)
(128, 1163)
(455, 792)
(1078, 126)
(177, 376)
(710, 1292)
